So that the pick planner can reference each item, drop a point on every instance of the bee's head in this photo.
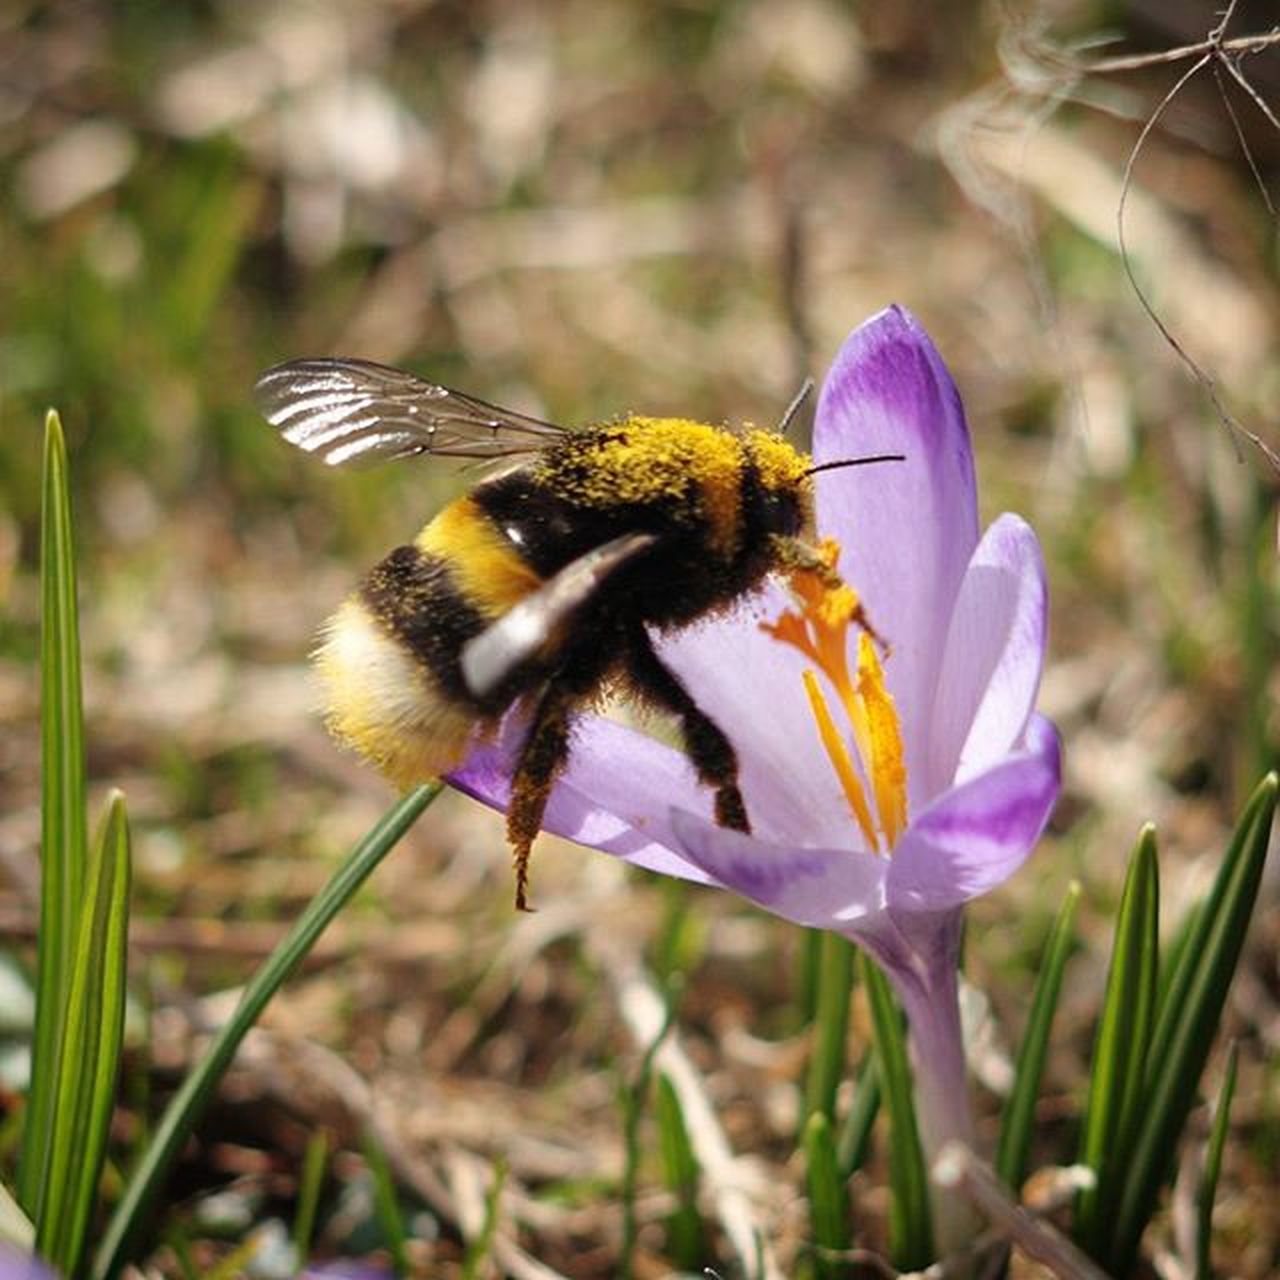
(785, 490)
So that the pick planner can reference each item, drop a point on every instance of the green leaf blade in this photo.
(89, 1057)
(1018, 1121)
(1208, 1188)
(828, 1200)
(63, 838)
(685, 1231)
(830, 1026)
(187, 1105)
(910, 1228)
(1123, 1038)
(1189, 1020)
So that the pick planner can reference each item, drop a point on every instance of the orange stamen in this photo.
(887, 759)
(840, 759)
(819, 629)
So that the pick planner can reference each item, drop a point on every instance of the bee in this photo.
(546, 583)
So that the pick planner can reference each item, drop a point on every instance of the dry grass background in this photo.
(583, 208)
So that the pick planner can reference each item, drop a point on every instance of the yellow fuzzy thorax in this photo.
(652, 460)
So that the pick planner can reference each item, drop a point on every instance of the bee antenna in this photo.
(856, 462)
(806, 388)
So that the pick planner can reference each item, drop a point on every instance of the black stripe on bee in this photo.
(414, 596)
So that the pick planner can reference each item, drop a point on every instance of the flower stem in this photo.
(943, 1105)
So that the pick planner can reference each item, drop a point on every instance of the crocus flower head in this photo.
(890, 774)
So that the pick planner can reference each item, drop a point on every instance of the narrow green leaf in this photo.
(1018, 1121)
(632, 1099)
(808, 966)
(188, 1104)
(63, 839)
(855, 1136)
(828, 1200)
(1189, 1020)
(910, 1230)
(386, 1203)
(685, 1235)
(310, 1184)
(89, 1055)
(830, 1026)
(1176, 954)
(1120, 1050)
(1208, 1188)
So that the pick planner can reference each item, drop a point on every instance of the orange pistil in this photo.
(819, 630)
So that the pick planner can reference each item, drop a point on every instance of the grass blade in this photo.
(632, 1099)
(1189, 1020)
(310, 1185)
(63, 838)
(828, 1199)
(1120, 1050)
(386, 1203)
(89, 1054)
(685, 1235)
(1208, 1188)
(910, 1230)
(855, 1137)
(830, 1026)
(1018, 1120)
(188, 1103)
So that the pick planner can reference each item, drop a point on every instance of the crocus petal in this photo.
(615, 793)
(975, 836)
(752, 687)
(818, 887)
(993, 657)
(907, 528)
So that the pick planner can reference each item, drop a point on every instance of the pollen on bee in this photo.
(647, 460)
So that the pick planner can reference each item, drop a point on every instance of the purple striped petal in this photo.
(994, 654)
(978, 834)
(819, 887)
(907, 528)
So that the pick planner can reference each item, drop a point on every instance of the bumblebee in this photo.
(546, 583)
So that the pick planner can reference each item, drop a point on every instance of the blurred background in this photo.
(582, 208)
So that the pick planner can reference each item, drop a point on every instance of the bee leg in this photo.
(711, 752)
(544, 752)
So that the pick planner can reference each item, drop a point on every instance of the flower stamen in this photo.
(885, 756)
(819, 629)
(841, 760)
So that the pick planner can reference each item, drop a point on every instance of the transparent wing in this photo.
(356, 411)
(524, 630)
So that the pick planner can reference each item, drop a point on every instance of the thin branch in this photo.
(1213, 55)
(1245, 149)
(1138, 61)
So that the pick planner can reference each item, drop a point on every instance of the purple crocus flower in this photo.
(943, 777)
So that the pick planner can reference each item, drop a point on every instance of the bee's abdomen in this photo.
(390, 659)
(415, 598)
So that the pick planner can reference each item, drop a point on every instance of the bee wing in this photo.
(523, 631)
(346, 410)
